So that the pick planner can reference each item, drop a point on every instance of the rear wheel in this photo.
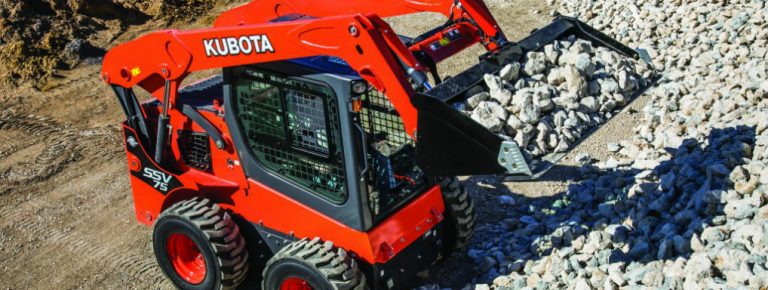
(199, 246)
(459, 215)
(312, 265)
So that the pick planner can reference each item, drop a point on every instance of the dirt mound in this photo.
(174, 10)
(39, 37)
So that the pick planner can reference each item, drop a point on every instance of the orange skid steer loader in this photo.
(324, 154)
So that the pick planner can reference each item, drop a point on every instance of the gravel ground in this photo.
(678, 204)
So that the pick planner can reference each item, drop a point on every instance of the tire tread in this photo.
(222, 233)
(335, 264)
(460, 212)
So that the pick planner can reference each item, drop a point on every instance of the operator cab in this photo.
(315, 131)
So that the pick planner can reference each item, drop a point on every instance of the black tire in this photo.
(459, 215)
(216, 236)
(319, 264)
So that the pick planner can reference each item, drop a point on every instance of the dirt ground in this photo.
(66, 215)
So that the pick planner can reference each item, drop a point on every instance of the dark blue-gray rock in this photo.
(606, 209)
(661, 204)
(506, 200)
(668, 181)
(666, 230)
(618, 233)
(640, 249)
(682, 245)
(666, 249)
(487, 263)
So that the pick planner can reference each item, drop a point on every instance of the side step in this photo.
(450, 143)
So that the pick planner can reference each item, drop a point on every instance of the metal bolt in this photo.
(353, 30)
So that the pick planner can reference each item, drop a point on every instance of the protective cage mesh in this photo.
(395, 177)
(380, 119)
(291, 126)
(195, 150)
(307, 123)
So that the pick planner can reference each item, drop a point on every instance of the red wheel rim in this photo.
(186, 258)
(294, 283)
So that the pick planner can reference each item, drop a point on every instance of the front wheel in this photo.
(312, 265)
(199, 246)
(459, 215)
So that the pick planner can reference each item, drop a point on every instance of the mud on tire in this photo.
(459, 214)
(217, 238)
(318, 264)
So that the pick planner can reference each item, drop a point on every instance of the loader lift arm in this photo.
(367, 43)
(474, 11)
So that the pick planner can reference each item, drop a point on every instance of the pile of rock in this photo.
(673, 224)
(557, 94)
(684, 203)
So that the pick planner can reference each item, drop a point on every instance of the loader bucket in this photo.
(450, 143)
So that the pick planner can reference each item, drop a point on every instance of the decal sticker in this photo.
(243, 45)
(159, 178)
(136, 71)
(132, 142)
(151, 174)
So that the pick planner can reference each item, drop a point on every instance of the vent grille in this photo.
(195, 150)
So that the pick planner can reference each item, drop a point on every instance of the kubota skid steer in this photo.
(322, 157)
